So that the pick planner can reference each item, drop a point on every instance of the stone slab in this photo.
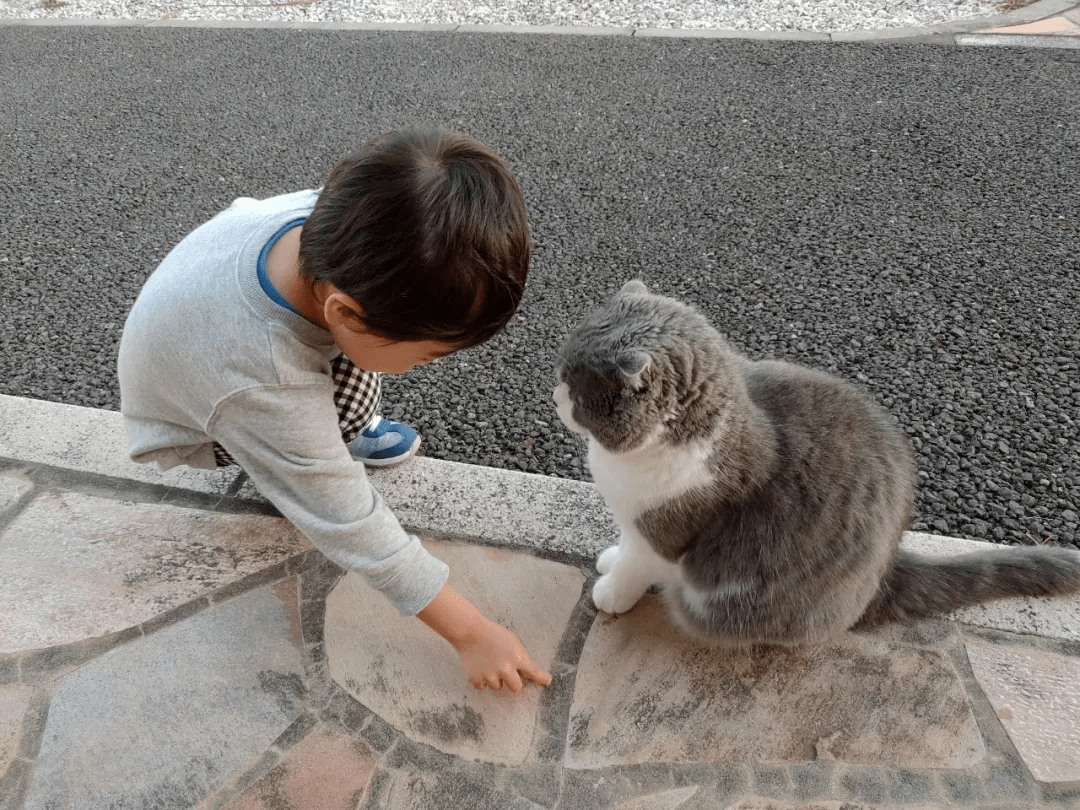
(1036, 696)
(411, 677)
(14, 701)
(465, 501)
(75, 566)
(88, 440)
(12, 487)
(325, 771)
(164, 721)
(1058, 617)
(646, 693)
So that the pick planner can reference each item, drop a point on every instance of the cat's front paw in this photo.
(611, 596)
(606, 561)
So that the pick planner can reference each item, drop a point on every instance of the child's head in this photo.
(427, 232)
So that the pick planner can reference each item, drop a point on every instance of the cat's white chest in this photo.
(636, 481)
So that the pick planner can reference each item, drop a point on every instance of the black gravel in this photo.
(905, 216)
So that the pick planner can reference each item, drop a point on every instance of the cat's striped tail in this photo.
(920, 586)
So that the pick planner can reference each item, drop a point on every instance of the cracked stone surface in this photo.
(162, 721)
(376, 654)
(326, 771)
(1036, 697)
(14, 701)
(74, 566)
(647, 694)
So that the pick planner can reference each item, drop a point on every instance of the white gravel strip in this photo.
(761, 15)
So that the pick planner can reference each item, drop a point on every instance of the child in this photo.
(259, 339)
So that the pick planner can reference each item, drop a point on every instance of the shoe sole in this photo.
(389, 462)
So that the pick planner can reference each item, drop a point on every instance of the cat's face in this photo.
(623, 372)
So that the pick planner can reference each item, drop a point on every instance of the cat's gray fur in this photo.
(810, 485)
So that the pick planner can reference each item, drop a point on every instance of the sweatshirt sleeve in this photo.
(286, 437)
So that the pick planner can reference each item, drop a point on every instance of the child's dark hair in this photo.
(427, 231)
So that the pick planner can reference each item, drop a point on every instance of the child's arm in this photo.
(490, 655)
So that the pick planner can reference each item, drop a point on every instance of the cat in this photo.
(766, 499)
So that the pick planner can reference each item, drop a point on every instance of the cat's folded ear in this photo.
(632, 365)
(635, 286)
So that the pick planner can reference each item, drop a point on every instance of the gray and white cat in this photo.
(766, 499)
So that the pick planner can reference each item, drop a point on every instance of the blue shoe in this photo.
(384, 443)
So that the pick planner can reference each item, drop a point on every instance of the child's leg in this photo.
(357, 395)
(222, 457)
(373, 440)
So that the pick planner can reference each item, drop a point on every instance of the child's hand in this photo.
(490, 655)
(494, 656)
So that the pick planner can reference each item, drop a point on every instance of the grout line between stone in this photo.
(1015, 638)
(50, 662)
(15, 783)
(299, 730)
(553, 710)
(376, 795)
(237, 484)
(34, 720)
(12, 513)
(996, 739)
(48, 478)
(255, 770)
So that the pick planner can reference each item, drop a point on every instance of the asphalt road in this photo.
(906, 216)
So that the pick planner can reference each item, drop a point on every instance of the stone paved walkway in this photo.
(168, 641)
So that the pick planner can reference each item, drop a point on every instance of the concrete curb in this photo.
(435, 498)
(958, 32)
(439, 499)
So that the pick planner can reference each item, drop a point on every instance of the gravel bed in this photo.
(763, 15)
(904, 216)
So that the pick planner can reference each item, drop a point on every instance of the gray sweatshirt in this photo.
(207, 356)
